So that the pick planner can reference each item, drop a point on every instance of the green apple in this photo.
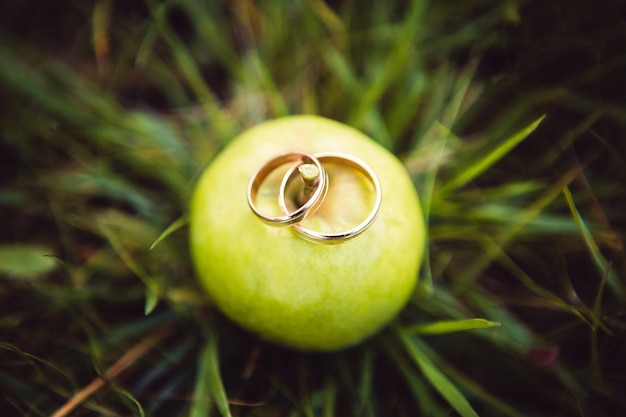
(291, 291)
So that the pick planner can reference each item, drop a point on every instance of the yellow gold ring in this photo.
(330, 238)
(318, 186)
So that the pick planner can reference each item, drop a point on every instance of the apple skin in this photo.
(289, 291)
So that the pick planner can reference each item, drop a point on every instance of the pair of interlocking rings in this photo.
(316, 185)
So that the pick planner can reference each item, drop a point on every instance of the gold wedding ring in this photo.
(308, 207)
(315, 195)
(329, 238)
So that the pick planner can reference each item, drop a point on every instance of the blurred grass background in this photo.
(509, 116)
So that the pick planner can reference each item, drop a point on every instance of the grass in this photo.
(509, 116)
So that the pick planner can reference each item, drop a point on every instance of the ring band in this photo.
(329, 238)
(308, 208)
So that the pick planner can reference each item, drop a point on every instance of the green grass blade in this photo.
(423, 397)
(26, 261)
(395, 62)
(461, 88)
(439, 381)
(324, 401)
(132, 399)
(597, 310)
(515, 228)
(330, 399)
(185, 62)
(488, 159)
(451, 326)
(340, 67)
(439, 136)
(365, 384)
(177, 224)
(209, 386)
(601, 263)
(262, 75)
(152, 299)
(107, 228)
(513, 335)
(99, 182)
(470, 386)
